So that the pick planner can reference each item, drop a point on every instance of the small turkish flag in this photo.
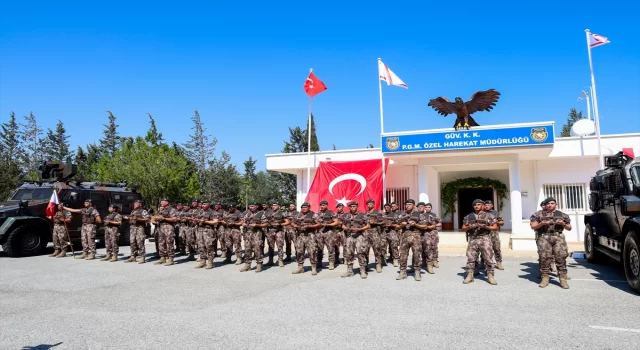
(344, 182)
(313, 85)
(53, 204)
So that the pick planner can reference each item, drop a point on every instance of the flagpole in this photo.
(384, 178)
(594, 101)
(309, 145)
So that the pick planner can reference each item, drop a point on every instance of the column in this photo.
(299, 188)
(433, 189)
(423, 182)
(515, 197)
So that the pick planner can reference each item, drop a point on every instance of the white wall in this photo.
(528, 185)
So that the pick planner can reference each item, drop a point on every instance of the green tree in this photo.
(201, 147)
(10, 155)
(111, 140)
(370, 145)
(333, 147)
(266, 188)
(224, 182)
(573, 117)
(31, 139)
(153, 137)
(57, 146)
(249, 181)
(87, 161)
(315, 147)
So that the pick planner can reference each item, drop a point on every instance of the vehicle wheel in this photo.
(25, 240)
(631, 260)
(590, 252)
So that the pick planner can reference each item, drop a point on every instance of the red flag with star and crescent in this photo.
(344, 182)
(313, 85)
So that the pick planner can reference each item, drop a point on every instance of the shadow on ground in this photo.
(41, 346)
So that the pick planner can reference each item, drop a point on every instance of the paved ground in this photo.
(71, 304)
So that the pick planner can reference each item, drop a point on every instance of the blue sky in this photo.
(243, 66)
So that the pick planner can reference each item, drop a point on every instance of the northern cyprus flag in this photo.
(390, 77)
(597, 40)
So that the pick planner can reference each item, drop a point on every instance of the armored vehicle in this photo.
(24, 227)
(613, 229)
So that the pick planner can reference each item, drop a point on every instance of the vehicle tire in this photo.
(590, 251)
(25, 240)
(631, 260)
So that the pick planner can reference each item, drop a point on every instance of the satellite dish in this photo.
(583, 127)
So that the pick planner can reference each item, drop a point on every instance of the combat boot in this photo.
(395, 262)
(63, 254)
(169, 262)
(402, 275)
(563, 281)
(363, 274)
(91, 256)
(200, 259)
(55, 253)
(83, 256)
(299, 270)
(349, 272)
(499, 265)
(131, 259)
(238, 261)
(259, 267)
(436, 264)
(106, 257)
(270, 262)
(491, 280)
(142, 260)
(384, 262)
(199, 265)
(469, 277)
(227, 260)
(430, 268)
(280, 262)
(190, 257)
(568, 277)
(209, 264)
(246, 267)
(114, 258)
(161, 261)
(331, 265)
(545, 281)
(417, 276)
(379, 268)
(314, 271)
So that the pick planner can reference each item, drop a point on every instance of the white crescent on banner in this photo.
(349, 176)
(311, 83)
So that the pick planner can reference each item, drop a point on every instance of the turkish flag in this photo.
(52, 207)
(344, 182)
(313, 85)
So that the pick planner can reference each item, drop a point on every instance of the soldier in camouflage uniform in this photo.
(340, 238)
(495, 235)
(373, 235)
(355, 224)
(409, 238)
(183, 221)
(428, 209)
(549, 224)
(290, 232)
(138, 220)
(395, 208)
(478, 226)
(112, 223)
(205, 235)
(278, 221)
(389, 222)
(177, 229)
(233, 221)
(218, 214)
(305, 223)
(192, 227)
(255, 221)
(327, 223)
(165, 221)
(60, 236)
(90, 217)
(427, 227)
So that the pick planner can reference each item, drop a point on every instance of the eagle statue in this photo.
(480, 101)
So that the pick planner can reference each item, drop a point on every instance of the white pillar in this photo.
(299, 188)
(423, 182)
(433, 189)
(515, 198)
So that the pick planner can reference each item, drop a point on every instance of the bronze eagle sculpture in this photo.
(480, 101)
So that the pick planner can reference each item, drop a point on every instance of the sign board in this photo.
(517, 136)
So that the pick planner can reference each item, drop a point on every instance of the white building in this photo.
(526, 158)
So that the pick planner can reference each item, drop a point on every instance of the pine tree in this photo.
(315, 147)
(110, 143)
(10, 146)
(154, 138)
(200, 148)
(573, 117)
(334, 147)
(57, 144)
(31, 138)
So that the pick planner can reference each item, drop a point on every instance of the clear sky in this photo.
(243, 66)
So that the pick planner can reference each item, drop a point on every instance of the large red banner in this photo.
(344, 182)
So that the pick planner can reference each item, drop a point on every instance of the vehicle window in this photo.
(635, 175)
(98, 196)
(131, 197)
(116, 197)
(26, 194)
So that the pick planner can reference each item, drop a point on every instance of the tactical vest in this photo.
(305, 219)
(111, 216)
(137, 213)
(276, 218)
(60, 216)
(552, 228)
(374, 217)
(389, 219)
(326, 218)
(473, 218)
(415, 217)
(204, 215)
(87, 216)
(233, 218)
(356, 221)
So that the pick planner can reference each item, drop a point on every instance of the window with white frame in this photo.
(569, 197)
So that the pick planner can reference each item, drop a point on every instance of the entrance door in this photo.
(467, 196)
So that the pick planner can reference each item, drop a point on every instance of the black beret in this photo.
(88, 201)
(353, 203)
(253, 203)
(113, 205)
(547, 200)
(409, 201)
(205, 201)
(165, 199)
(428, 205)
(488, 202)
(478, 201)
(392, 203)
(339, 205)
(370, 201)
(196, 200)
(324, 203)
(305, 204)
(421, 203)
(387, 205)
(232, 205)
(275, 203)
(138, 201)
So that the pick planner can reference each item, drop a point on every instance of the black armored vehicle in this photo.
(24, 227)
(613, 229)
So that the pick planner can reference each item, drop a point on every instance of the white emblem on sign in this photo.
(350, 176)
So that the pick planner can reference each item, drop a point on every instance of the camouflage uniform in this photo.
(219, 231)
(290, 234)
(166, 234)
(392, 239)
(89, 216)
(409, 238)
(495, 240)
(192, 231)
(374, 237)
(136, 233)
(306, 240)
(276, 235)
(205, 237)
(479, 243)
(340, 237)
(183, 228)
(254, 243)
(551, 242)
(326, 237)
(428, 240)
(111, 235)
(233, 235)
(60, 239)
(356, 243)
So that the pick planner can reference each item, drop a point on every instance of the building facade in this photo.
(516, 165)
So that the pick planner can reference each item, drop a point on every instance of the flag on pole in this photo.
(390, 77)
(597, 40)
(313, 85)
(53, 204)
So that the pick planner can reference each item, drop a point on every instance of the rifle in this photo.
(73, 254)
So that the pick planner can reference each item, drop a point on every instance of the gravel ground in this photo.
(70, 304)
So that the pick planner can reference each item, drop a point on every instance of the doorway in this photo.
(467, 196)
